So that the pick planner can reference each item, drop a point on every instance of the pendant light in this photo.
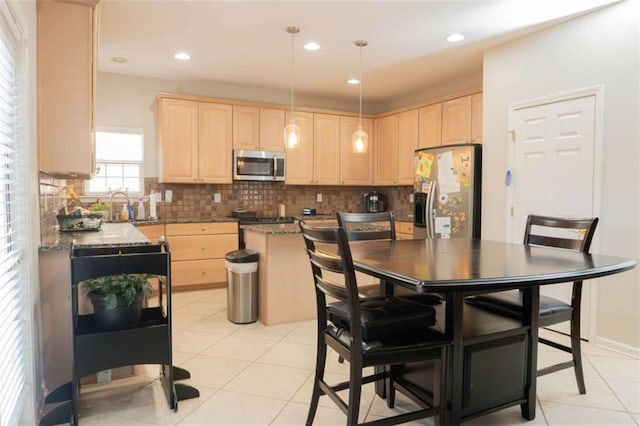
(360, 138)
(292, 131)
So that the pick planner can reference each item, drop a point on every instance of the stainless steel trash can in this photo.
(242, 286)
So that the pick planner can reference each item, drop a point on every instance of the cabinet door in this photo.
(214, 143)
(456, 121)
(272, 129)
(387, 150)
(326, 149)
(300, 159)
(407, 144)
(476, 118)
(178, 135)
(246, 127)
(355, 168)
(430, 126)
(65, 89)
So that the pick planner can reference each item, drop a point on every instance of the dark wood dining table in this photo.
(461, 267)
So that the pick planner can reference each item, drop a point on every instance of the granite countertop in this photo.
(185, 220)
(110, 234)
(294, 228)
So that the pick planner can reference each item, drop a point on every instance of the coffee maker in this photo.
(375, 202)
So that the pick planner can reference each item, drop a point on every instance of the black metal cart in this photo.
(95, 349)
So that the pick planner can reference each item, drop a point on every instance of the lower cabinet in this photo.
(404, 230)
(198, 251)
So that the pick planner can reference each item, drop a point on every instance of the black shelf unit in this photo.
(95, 349)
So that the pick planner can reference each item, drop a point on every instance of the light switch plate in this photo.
(411, 198)
(216, 197)
(319, 197)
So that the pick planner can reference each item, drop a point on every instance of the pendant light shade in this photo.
(360, 138)
(292, 131)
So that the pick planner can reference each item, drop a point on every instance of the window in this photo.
(14, 285)
(119, 162)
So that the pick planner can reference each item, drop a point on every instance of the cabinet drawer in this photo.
(194, 247)
(202, 228)
(404, 227)
(191, 272)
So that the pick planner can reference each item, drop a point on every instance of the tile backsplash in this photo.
(197, 200)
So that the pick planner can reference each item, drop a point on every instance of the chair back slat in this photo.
(539, 231)
(332, 289)
(368, 226)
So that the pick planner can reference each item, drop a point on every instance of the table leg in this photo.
(531, 317)
(381, 391)
(453, 329)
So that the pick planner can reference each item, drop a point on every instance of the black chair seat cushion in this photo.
(509, 303)
(382, 317)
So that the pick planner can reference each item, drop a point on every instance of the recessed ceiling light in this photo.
(183, 56)
(353, 81)
(455, 37)
(119, 60)
(312, 45)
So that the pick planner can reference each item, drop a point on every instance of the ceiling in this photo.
(245, 42)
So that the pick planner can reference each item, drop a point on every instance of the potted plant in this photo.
(117, 299)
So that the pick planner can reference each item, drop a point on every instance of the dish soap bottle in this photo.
(132, 215)
(124, 214)
(141, 212)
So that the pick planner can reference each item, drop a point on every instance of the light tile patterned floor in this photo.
(258, 375)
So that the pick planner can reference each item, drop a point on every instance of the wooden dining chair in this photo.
(539, 231)
(382, 331)
(379, 226)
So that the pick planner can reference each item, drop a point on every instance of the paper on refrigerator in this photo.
(447, 181)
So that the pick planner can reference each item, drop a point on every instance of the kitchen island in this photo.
(286, 289)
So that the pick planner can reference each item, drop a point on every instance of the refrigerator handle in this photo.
(429, 214)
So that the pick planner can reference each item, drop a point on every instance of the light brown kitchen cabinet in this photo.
(476, 118)
(326, 149)
(198, 251)
(246, 127)
(404, 230)
(272, 129)
(430, 126)
(462, 120)
(195, 141)
(67, 60)
(407, 144)
(300, 159)
(386, 171)
(355, 168)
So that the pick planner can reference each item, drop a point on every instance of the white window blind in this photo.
(13, 288)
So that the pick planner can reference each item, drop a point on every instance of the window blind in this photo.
(14, 325)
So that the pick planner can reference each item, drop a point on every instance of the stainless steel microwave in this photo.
(258, 165)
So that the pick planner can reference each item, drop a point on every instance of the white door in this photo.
(552, 173)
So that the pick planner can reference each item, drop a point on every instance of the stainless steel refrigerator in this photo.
(447, 185)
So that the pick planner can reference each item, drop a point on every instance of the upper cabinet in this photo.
(67, 40)
(430, 126)
(195, 141)
(355, 168)
(387, 150)
(407, 144)
(300, 159)
(272, 129)
(258, 129)
(326, 149)
(462, 120)
(246, 127)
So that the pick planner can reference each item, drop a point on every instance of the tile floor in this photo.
(258, 375)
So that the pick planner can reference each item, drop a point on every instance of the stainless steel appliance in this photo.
(375, 202)
(447, 191)
(258, 165)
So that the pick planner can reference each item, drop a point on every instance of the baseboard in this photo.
(614, 346)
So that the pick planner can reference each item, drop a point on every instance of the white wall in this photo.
(602, 48)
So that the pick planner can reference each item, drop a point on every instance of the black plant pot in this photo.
(120, 317)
